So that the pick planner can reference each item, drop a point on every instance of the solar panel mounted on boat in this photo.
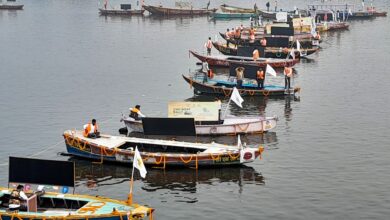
(169, 126)
(37, 171)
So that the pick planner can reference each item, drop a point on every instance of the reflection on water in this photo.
(174, 180)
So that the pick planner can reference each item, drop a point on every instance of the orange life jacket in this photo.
(87, 130)
(288, 71)
(237, 34)
(210, 74)
(260, 74)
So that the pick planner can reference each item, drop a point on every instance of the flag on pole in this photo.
(138, 163)
(298, 46)
(239, 145)
(270, 70)
(292, 53)
(236, 98)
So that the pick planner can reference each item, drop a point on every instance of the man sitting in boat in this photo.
(91, 130)
(18, 199)
(136, 114)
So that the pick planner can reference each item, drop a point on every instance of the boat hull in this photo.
(80, 146)
(232, 15)
(268, 53)
(262, 62)
(233, 9)
(162, 11)
(231, 126)
(204, 89)
(119, 12)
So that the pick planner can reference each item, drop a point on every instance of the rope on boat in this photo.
(38, 153)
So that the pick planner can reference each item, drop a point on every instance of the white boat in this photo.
(228, 126)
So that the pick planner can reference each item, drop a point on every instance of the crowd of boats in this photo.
(269, 46)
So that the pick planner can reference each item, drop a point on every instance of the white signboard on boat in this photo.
(200, 111)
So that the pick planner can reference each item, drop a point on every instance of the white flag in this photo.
(270, 70)
(292, 53)
(298, 46)
(138, 163)
(236, 98)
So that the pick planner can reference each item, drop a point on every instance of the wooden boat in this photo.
(306, 39)
(331, 26)
(73, 206)
(269, 52)
(226, 61)
(11, 7)
(121, 12)
(64, 205)
(164, 11)
(376, 13)
(157, 152)
(223, 15)
(227, 126)
(267, 14)
(232, 9)
(225, 88)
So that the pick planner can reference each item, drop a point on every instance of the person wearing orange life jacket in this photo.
(252, 35)
(91, 130)
(260, 77)
(288, 73)
(263, 42)
(17, 200)
(237, 34)
(136, 113)
(209, 45)
(256, 54)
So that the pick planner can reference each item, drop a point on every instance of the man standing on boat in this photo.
(209, 45)
(18, 199)
(288, 72)
(267, 5)
(239, 76)
(276, 5)
(260, 77)
(91, 130)
(136, 113)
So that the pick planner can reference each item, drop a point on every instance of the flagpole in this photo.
(130, 196)
(227, 106)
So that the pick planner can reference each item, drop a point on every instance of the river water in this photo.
(328, 158)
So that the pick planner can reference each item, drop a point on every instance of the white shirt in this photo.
(23, 195)
(92, 128)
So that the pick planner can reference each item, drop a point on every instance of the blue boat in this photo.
(58, 177)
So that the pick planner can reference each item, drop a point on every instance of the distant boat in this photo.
(225, 88)
(269, 52)
(164, 11)
(124, 10)
(121, 12)
(226, 61)
(11, 7)
(233, 9)
(224, 15)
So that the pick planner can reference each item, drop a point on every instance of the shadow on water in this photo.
(185, 180)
